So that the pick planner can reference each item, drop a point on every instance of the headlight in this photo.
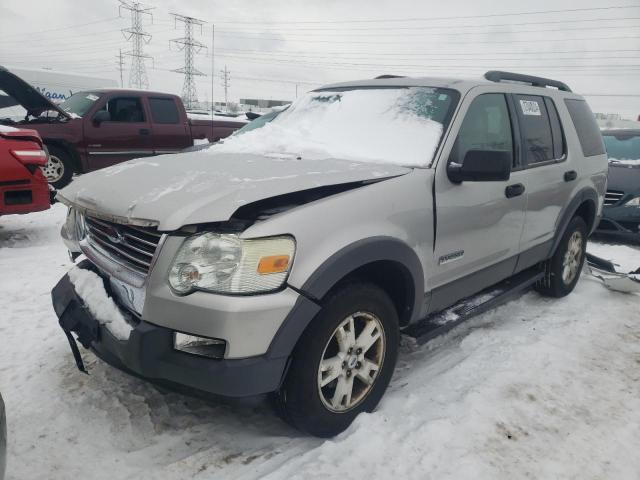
(634, 202)
(74, 225)
(228, 264)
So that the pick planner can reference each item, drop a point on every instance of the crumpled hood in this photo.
(171, 191)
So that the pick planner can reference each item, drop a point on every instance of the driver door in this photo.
(478, 223)
(126, 135)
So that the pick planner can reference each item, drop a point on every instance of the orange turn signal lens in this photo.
(273, 264)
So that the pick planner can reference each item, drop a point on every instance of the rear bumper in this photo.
(149, 353)
(24, 196)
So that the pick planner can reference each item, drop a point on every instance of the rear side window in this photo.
(586, 127)
(536, 126)
(163, 110)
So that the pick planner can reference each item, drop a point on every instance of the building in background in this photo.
(54, 85)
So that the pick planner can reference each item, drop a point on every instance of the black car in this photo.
(621, 215)
(3, 439)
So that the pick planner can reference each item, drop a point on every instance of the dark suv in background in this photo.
(621, 214)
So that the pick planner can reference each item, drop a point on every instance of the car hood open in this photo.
(171, 191)
(27, 96)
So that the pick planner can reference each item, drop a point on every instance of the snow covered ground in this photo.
(534, 389)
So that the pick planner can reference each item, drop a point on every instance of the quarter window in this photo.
(163, 110)
(486, 126)
(586, 127)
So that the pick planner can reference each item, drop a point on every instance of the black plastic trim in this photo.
(499, 76)
(149, 354)
(585, 195)
(361, 253)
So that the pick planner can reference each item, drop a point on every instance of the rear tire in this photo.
(355, 332)
(562, 270)
(59, 169)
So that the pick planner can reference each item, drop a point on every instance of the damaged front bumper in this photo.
(149, 353)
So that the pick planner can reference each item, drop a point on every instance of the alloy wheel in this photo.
(351, 362)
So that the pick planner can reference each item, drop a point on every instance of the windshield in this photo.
(258, 122)
(395, 125)
(623, 148)
(80, 103)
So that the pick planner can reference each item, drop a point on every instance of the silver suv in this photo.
(289, 259)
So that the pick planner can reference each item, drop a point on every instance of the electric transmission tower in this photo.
(138, 38)
(191, 47)
(226, 81)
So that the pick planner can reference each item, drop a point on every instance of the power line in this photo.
(78, 25)
(447, 26)
(191, 47)
(414, 19)
(438, 34)
(464, 42)
(138, 74)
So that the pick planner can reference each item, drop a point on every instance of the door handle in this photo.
(514, 190)
(144, 131)
(570, 175)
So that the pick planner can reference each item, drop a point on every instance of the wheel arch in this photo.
(584, 204)
(69, 148)
(387, 262)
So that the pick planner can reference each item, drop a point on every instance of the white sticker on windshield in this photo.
(92, 97)
(530, 107)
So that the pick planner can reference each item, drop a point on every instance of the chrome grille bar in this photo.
(132, 246)
(612, 197)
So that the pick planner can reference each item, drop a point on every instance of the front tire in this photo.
(59, 168)
(343, 362)
(562, 271)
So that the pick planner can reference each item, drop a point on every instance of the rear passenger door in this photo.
(170, 133)
(547, 173)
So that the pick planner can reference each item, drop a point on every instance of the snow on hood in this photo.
(6, 128)
(171, 191)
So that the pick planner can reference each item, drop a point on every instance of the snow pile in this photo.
(535, 389)
(380, 126)
(88, 285)
(7, 128)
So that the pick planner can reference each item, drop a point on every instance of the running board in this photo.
(440, 323)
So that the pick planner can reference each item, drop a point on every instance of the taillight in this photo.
(31, 157)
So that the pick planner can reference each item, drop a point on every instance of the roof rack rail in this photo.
(379, 77)
(498, 76)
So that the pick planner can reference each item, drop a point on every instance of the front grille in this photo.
(612, 197)
(131, 246)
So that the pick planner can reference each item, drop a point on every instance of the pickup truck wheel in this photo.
(562, 271)
(59, 168)
(343, 362)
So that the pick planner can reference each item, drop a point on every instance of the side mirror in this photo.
(481, 166)
(101, 116)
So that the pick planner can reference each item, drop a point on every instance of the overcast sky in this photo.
(272, 46)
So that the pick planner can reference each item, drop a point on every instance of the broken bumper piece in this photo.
(605, 271)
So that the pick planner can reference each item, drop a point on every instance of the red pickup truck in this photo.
(98, 128)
